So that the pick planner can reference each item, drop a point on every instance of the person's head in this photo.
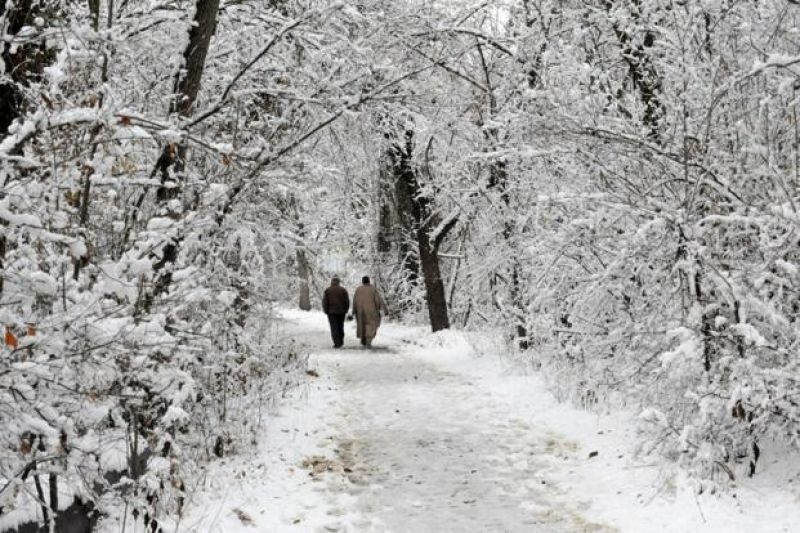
(365, 280)
(335, 280)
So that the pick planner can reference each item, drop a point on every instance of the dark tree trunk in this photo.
(2, 263)
(13, 62)
(88, 171)
(94, 11)
(241, 304)
(303, 275)
(416, 211)
(642, 71)
(21, 65)
(292, 212)
(385, 228)
(498, 178)
(404, 204)
(434, 285)
(10, 101)
(187, 87)
(187, 83)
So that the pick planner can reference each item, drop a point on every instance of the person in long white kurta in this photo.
(367, 307)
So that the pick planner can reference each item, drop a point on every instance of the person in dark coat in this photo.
(335, 303)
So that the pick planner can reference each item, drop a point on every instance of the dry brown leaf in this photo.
(243, 517)
(11, 339)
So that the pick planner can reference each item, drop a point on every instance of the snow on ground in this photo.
(425, 435)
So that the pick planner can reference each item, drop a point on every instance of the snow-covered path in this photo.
(417, 446)
(417, 436)
(425, 449)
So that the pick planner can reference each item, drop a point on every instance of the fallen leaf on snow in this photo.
(243, 517)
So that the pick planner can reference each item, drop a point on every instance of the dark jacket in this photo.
(335, 301)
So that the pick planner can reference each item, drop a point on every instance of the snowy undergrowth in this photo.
(233, 393)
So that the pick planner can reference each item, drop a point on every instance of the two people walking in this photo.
(367, 307)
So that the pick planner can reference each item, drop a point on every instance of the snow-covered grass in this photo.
(442, 432)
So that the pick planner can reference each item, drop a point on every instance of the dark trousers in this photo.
(337, 328)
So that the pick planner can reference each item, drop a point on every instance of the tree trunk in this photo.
(434, 286)
(2, 263)
(187, 82)
(94, 11)
(13, 62)
(385, 226)
(9, 105)
(642, 71)
(88, 172)
(187, 86)
(404, 205)
(292, 212)
(416, 213)
(498, 178)
(303, 275)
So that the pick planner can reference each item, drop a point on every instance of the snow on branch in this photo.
(42, 121)
(440, 232)
(773, 61)
(272, 42)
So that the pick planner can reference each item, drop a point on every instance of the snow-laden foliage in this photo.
(614, 182)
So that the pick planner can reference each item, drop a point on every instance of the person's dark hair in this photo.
(365, 280)
(335, 280)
